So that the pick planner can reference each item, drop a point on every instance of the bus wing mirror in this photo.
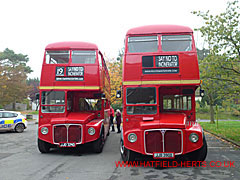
(37, 96)
(103, 96)
(119, 94)
(202, 92)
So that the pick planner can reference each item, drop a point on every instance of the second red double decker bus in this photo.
(160, 77)
(74, 97)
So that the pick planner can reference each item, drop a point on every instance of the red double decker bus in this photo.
(74, 97)
(160, 77)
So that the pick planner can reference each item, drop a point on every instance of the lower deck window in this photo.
(141, 110)
(177, 102)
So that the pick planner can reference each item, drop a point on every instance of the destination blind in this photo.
(165, 64)
(73, 73)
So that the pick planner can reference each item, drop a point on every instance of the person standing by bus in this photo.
(111, 119)
(119, 120)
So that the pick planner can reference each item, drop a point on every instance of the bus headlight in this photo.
(193, 137)
(91, 131)
(132, 137)
(44, 130)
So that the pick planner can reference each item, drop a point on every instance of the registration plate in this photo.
(67, 145)
(163, 155)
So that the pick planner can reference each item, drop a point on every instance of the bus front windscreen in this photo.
(144, 98)
(53, 102)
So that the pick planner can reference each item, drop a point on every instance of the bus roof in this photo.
(155, 29)
(72, 45)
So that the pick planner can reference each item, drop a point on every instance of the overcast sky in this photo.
(27, 26)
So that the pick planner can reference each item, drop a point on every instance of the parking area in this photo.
(20, 159)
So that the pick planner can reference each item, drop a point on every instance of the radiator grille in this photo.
(154, 141)
(162, 140)
(74, 134)
(60, 133)
(67, 133)
(172, 141)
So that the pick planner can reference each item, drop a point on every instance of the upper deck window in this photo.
(176, 43)
(83, 57)
(142, 44)
(57, 57)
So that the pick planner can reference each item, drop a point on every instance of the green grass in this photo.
(227, 129)
(33, 112)
(29, 112)
(225, 116)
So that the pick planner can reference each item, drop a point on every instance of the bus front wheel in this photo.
(126, 154)
(43, 146)
(200, 154)
(99, 143)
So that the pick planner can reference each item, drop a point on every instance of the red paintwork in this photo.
(91, 74)
(94, 76)
(188, 63)
(74, 118)
(187, 68)
(71, 45)
(163, 119)
(158, 29)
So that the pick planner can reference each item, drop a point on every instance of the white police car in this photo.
(11, 120)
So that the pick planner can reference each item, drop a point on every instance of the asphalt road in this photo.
(21, 160)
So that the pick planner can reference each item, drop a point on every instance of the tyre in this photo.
(126, 154)
(43, 146)
(200, 154)
(19, 128)
(99, 143)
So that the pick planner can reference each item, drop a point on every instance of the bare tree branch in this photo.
(231, 69)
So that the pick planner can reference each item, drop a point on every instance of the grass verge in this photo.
(225, 116)
(227, 129)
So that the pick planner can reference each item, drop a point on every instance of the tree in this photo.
(33, 83)
(115, 71)
(220, 69)
(212, 87)
(223, 37)
(13, 75)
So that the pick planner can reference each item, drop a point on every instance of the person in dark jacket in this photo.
(111, 119)
(119, 120)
